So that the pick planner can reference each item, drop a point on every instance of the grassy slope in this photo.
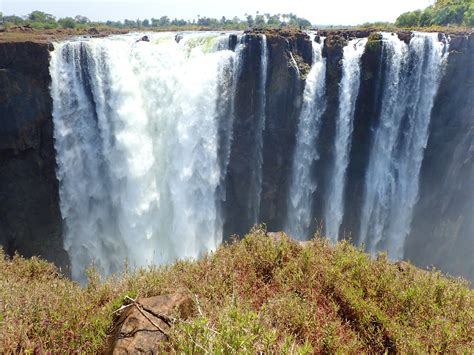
(254, 295)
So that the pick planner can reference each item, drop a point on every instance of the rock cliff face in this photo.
(442, 231)
(30, 219)
(284, 88)
(367, 109)
(443, 227)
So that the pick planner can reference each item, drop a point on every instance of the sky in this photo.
(321, 12)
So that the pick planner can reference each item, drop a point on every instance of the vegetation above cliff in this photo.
(442, 13)
(264, 293)
(43, 21)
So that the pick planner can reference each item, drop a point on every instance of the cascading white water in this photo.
(226, 109)
(348, 92)
(260, 128)
(136, 130)
(412, 77)
(303, 185)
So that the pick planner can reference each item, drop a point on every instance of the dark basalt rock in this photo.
(232, 42)
(443, 223)
(405, 36)
(333, 52)
(30, 220)
(296, 42)
(346, 34)
(367, 110)
(283, 103)
(240, 188)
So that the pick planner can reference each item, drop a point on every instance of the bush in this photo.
(444, 12)
(408, 19)
(261, 294)
(67, 22)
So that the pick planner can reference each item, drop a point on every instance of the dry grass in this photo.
(254, 295)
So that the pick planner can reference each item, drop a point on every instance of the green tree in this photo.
(469, 16)
(129, 23)
(164, 21)
(14, 20)
(39, 16)
(249, 19)
(408, 19)
(82, 19)
(67, 22)
(259, 20)
(426, 17)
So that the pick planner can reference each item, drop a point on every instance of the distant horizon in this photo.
(319, 13)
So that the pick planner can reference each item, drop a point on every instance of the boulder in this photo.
(143, 325)
(233, 39)
(93, 31)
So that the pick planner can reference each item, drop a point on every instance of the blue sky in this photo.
(317, 11)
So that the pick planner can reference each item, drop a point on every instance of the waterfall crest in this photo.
(137, 140)
(303, 184)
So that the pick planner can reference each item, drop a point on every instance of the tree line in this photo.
(42, 20)
(442, 13)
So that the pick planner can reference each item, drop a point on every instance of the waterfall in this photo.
(302, 183)
(230, 74)
(137, 140)
(348, 92)
(144, 133)
(412, 76)
(255, 208)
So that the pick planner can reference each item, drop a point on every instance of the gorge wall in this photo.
(30, 218)
(164, 149)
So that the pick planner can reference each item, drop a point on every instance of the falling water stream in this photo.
(412, 78)
(144, 132)
(303, 184)
(136, 129)
(349, 90)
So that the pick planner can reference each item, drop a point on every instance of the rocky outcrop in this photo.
(285, 87)
(142, 326)
(240, 187)
(30, 219)
(283, 101)
(333, 52)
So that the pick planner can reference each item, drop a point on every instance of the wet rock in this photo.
(346, 34)
(30, 219)
(93, 31)
(144, 39)
(232, 42)
(405, 36)
(178, 37)
(443, 223)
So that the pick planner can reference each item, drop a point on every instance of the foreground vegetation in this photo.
(259, 294)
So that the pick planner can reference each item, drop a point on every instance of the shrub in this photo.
(256, 295)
